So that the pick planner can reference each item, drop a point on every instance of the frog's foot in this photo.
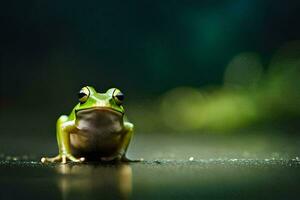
(62, 158)
(125, 159)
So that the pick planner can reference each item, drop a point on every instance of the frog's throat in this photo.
(100, 108)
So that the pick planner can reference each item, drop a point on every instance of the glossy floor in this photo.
(175, 167)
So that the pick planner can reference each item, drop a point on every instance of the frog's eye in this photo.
(83, 95)
(118, 96)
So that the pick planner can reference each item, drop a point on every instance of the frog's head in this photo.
(111, 100)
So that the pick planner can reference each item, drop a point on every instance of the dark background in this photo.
(50, 49)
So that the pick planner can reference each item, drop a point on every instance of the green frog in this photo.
(96, 129)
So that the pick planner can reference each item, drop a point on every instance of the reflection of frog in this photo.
(96, 128)
(90, 181)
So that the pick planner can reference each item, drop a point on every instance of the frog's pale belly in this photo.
(99, 132)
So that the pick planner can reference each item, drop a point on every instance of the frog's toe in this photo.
(54, 159)
(72, 158)
(63, 159)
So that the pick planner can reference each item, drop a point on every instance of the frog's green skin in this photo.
(95, 129)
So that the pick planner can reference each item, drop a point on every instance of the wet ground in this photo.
(244, 166)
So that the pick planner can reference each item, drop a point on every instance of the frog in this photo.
(96, 129)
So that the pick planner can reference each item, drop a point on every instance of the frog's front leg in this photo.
(129, 127)
(64, 127)
(123, 146)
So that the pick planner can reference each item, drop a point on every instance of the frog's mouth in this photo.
(100, 109)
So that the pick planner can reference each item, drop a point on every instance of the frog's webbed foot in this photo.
(62, 158)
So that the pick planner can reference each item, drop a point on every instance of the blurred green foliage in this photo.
(249, 96)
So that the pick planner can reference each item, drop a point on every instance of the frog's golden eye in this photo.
(83, 95)
(118, 96)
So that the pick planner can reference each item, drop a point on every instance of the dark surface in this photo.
(222, 167)
(212, 179)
